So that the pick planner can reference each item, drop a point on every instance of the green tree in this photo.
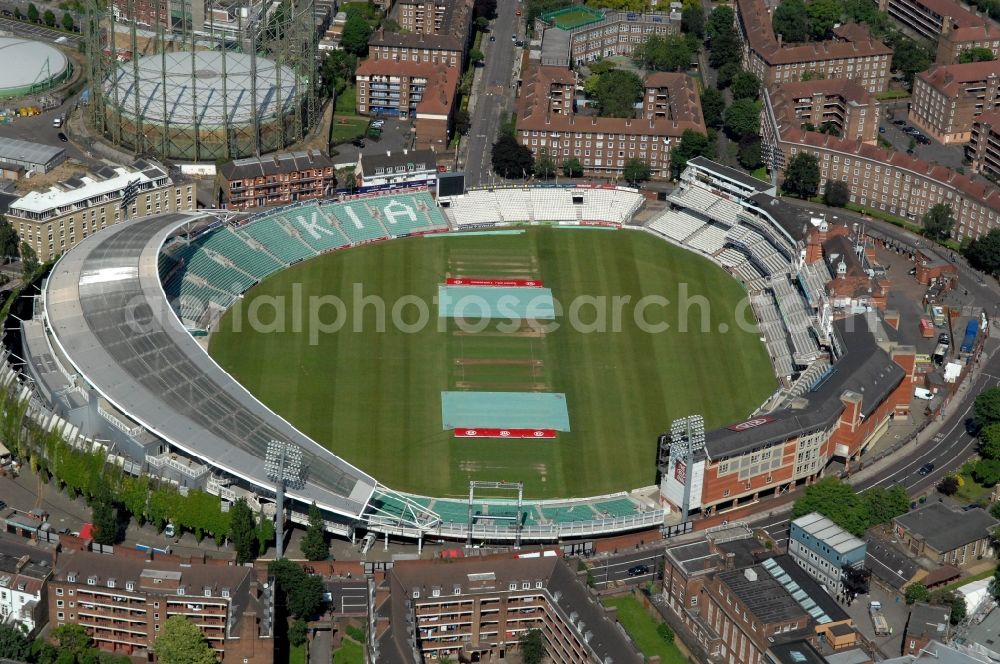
(617, 93)
(664, 53)
(49, 17)
(29, 261)
(665, 633)
(13, 644)
(938, 222)
(742, 118)
(917, 592)
(823, 15)
(314, 543)
(975, 54)
(545, 166)
(532, 647)
(693, 20)
(302, 592)
(745, 85)
(485, 8)
(476, 56)
(983, 253)
(511, 159)
(182, 642)
(713, 106)
(989, 441)
(636, 171)
(32, 12)
(71, 638)
(909, 57)
(986, 472)
(720, 20)
(882, 505)
(8, 240)
(356, 34)
(298, 632)
(17, 14)
(836, 193)
(791, 21)
(572, 168)
(959, 609)
(987, 408)
(691, 145)
(67, 22)
(243, 531)
(462, 122)
(802, 175)
(749, 153)
(727, 73)
(105, 519)
(482, 23)
(726, 49)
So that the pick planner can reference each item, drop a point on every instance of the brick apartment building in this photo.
(122, 601)
(608, 34)
(208, 18)
(839, 103)
(277, 179)
(852, 54)
(948, 98)
(547, 122)
(983, 149)
(931, 18)
(847, 413)
(477, 609)
(431, 32)
(887, 180)
(952, 43)
(423, 91)
(51, 222)
(737, 600)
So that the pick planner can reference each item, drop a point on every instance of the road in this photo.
(615, 567)
(494, 92)
(40, 32)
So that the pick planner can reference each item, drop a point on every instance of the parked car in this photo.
(881, 130)
(926, 469)
(944, 338)
(638, 570)
(899, 123)
(378, 123)
(358, 143)
(493, 38)
(63, 138)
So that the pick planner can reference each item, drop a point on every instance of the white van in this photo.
(57, 121)
(923, 393)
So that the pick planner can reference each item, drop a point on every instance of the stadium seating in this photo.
(355, 219)
(568, 513)
(618, 507)
(256, 263)
(677, 225)
(812, 278)
(316, 228)
(279, 238)
(710, 239)
(517, 204)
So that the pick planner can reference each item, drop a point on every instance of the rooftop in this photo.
(12, 149)
(106, 182)
(863, 368)
(828, 532)
(275, 164)
(927, 620)
(888, 563)
(794, 652)
(950, 80)
(764, 596)
(420, 159)
(855, 41)
(944, 529)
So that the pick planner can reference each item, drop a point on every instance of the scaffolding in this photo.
(201, 80)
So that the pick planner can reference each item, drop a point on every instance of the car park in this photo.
(926, 469)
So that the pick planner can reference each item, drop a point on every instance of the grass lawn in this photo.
(985, 574)
(375, 397)
(642, 628)
(346, 101)
(347, 129)
(350, 652)
(297, 654)
(971, 491)
(761, 174)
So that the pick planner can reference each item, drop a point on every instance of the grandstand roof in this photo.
(733, 174)
(107, 310)
(863, 368)
(793, 220)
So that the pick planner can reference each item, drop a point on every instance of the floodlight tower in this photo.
(284, 466)
(687, 436)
